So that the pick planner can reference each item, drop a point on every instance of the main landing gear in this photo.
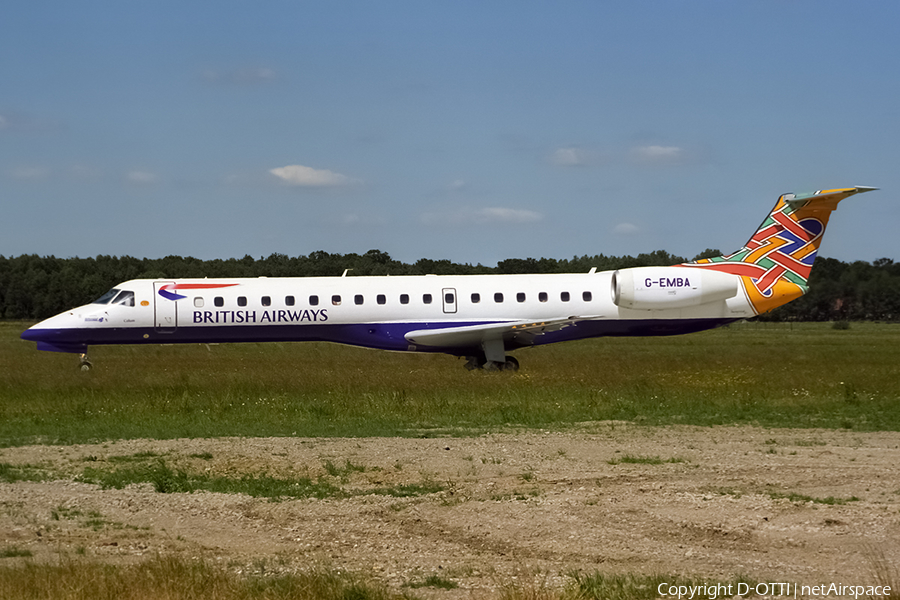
(86, 365)
(479, 362)
(494, 357)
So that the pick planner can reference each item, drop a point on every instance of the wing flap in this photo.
(474, 335)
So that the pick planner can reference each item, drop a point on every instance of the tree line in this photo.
(36, 287)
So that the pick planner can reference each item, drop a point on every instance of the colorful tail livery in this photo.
(774, 265)
(480, 317)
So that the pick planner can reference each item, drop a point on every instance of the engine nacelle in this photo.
(659, 288)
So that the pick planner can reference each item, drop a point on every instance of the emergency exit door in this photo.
(449, 297)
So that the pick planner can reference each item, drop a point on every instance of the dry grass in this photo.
(172, 578)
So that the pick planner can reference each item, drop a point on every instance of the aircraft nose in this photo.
(55, 335)
(33, 334)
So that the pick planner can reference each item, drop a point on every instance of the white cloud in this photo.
(355, 219)
(571, 157)
(241, 76)
(141, 177)
(308, 177)
(31, 173)
(19, 122)
(483, 216)
(625, 229)
(83, 172)
(659, 155)
(507, 215)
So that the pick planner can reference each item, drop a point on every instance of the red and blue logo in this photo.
(167, 291)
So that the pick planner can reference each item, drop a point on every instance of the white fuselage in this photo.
(465, 315)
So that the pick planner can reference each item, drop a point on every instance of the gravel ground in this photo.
(515, 507)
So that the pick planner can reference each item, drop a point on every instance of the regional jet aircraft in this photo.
(480, 317)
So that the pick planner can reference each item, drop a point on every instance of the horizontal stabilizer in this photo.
(823, 196)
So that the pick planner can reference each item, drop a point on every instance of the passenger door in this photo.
(165, 307)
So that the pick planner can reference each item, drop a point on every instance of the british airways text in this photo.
(266, 316)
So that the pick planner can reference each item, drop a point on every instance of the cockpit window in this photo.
(125, 298)
(105, 298)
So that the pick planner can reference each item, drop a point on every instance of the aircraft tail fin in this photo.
(775, 263)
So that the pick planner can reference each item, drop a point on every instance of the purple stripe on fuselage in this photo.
(383, 336)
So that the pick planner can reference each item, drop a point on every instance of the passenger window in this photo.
(125, 298)
(219, 301)
(288, 300)
(266, 301)
(381, 299)
(242, 301)
(449, 299)
(586, 296)
(198, 302)
(520, 297)
(358, 299)
(542, 296)
(336, 300)
(426, 298)
(498, 297)
(313, 300)
(564, 296)
(476, 298)
(404, 298)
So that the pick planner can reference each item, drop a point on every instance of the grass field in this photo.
(775, 375)
(173, 578)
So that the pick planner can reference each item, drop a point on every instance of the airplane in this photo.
(479, 317)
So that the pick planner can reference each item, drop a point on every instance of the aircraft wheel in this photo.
(474, 363)
(511, 364)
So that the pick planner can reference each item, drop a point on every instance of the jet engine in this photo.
(660, 288)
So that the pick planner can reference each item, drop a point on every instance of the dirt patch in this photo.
(807, 506)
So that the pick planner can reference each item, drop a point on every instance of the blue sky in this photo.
(469, 131)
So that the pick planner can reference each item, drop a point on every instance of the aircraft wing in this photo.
(474, 335)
